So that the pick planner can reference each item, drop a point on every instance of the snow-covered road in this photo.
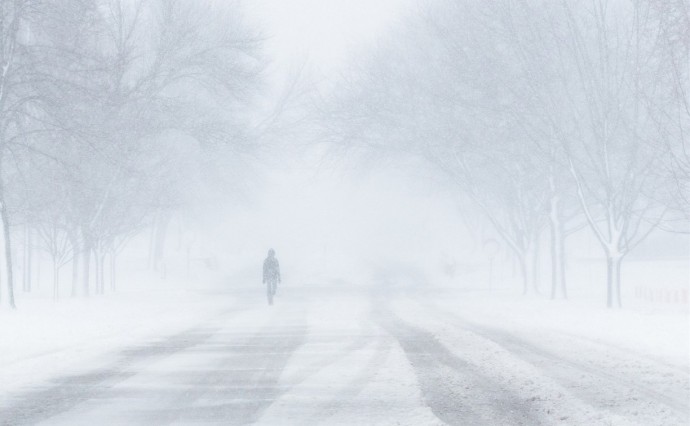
(324, 355)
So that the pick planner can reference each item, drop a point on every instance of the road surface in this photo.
(331, 356)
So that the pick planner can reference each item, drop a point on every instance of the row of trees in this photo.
(547, 115)
(114, 114)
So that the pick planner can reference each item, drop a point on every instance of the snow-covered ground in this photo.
(44, 339)
(340, 354)
(561, 362)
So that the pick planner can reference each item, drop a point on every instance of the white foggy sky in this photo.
(322, 31)
(304, 212)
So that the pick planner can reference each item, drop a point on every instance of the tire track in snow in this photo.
(305, 373)
(230, 395)
(451, 387)
(65, 393)
(352, 388)
(586, 378)
(602, 388)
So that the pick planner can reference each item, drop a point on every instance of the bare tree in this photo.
(672, 115)
(532, 108)
(608, 71)
(439, 92)
(92, 91)
(17, 99)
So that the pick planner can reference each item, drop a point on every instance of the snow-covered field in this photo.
(338, 354)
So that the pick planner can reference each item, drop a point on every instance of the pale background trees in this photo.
(544, 114)
(98, 94)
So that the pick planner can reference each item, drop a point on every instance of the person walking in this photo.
(271, 275)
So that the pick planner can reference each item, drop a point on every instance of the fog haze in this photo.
(344, 212)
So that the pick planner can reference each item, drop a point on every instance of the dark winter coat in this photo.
(271, 269)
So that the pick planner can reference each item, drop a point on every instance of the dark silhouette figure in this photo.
(271, 275)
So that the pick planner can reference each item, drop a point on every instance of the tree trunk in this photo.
(74, 241)
(75, 274)
(526, 260)
(36, 261)
(97, 271)
(159, 231)
(8, 243)
(535, 266)
(613, 269)
(56, 279)
(555, 261)
(152, 244)
(562, 263)
(86, 253)
(525, 278)
(113, 256)
(189, 260)
(27, 260)
(528, 263)
(8, 248)
(160, 237)
(618, 282)
(101, 271)
(557, 249)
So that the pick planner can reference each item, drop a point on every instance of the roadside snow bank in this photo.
(657, 333)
